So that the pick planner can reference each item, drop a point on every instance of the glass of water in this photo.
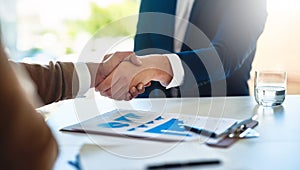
(270, 87)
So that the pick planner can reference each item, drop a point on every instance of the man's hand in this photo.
(111, 61)
(100, 71)
(127, 75)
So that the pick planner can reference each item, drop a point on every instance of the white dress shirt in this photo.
(84, 78)
(183, 11)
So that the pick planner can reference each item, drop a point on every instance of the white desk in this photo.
(278, 146)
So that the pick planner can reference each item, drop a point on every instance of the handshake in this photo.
(123, 75)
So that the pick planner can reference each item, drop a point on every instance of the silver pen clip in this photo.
(240, 130)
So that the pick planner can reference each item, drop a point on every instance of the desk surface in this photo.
(278, 146)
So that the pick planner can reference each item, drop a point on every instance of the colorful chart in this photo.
(113, 125)
(171, 127)
(128, 117)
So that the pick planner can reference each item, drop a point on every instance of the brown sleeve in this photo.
(26, 141)
(54, 82)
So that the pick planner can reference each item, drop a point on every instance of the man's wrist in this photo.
(84, 78)
(93, 68)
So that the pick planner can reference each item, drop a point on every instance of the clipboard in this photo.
(230, 138)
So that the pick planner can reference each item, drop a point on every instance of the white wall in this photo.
(279, 45)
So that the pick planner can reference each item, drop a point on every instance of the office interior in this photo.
(39, 31)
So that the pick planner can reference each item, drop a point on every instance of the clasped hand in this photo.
(123, 75)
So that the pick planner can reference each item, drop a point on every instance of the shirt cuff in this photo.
(177, 68)
(84, 78)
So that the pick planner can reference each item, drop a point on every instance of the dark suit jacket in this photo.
(217, 60)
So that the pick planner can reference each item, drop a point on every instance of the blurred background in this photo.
(43, 30)
(278, 46)
(39, 30)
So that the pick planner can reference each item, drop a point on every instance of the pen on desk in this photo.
(201, 131)
(184, 164)
(233, 128)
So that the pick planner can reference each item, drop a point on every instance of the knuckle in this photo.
(103, 94)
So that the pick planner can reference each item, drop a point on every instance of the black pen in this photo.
(184, 164)
(201, 131)
(231, 129)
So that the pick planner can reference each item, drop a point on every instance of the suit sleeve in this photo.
(240, 27)
(55, 81)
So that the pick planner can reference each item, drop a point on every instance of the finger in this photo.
(124, 56)
(134, 92)
(129, 97)
(135, 60)
(107, 56)
(114, 60)
(106, 93)
(141, 88)
(148, 84)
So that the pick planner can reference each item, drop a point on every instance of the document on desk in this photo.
(150, 125)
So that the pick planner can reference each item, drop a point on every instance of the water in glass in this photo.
(270, 95)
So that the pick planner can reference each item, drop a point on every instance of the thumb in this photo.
(134, 60)
(106, 57)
